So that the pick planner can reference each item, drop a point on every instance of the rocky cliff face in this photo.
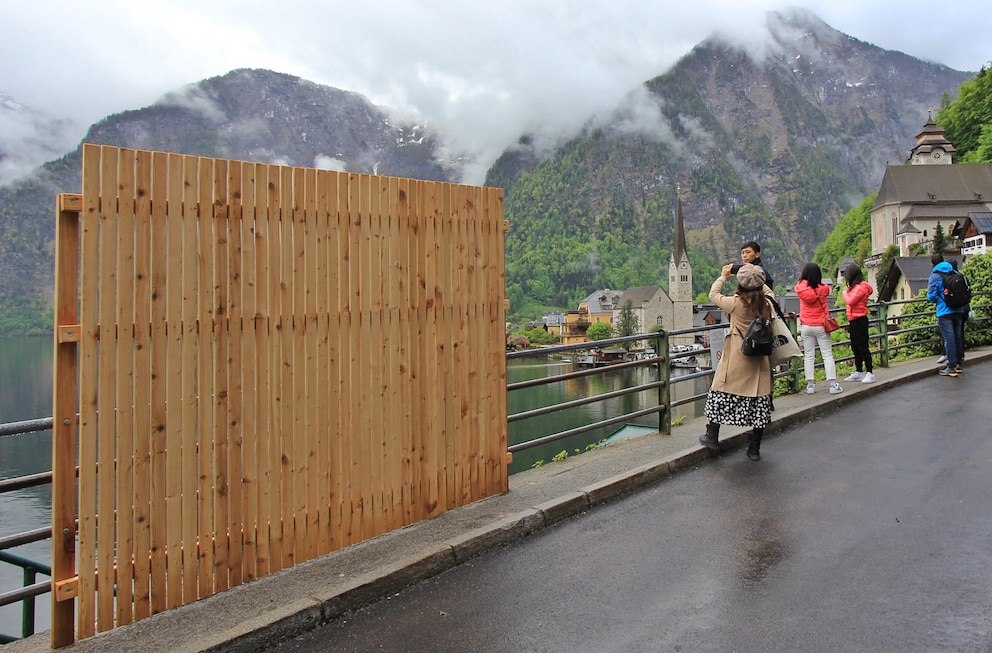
(772, 142)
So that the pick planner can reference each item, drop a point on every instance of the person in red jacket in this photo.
(856, 296)
(813, 309)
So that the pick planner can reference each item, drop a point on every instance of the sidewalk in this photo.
(264, 612)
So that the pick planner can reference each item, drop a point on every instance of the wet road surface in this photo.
(867, 530)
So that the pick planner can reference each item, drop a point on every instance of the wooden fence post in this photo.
(64, 423)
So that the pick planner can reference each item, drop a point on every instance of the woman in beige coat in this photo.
(741, 394)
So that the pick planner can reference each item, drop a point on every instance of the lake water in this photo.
(26, 393)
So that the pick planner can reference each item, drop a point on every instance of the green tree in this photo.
(851, 237)
(939, 240)
(627, 323)
(600, 331)
(967, 121)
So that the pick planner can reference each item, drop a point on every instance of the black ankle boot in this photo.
(711, 437)
(754, 443)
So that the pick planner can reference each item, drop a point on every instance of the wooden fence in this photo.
(257, 365)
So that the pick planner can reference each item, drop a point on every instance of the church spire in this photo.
(678, 245)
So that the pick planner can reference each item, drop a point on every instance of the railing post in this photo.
(883, 327)
(665, 391)
(796, 364)
(27, 613)
(64, 418)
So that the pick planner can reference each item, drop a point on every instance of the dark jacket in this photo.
(757, 261)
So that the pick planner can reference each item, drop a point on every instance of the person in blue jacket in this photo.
(950, 321)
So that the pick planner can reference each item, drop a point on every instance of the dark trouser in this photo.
(859, 343)
(952, 330)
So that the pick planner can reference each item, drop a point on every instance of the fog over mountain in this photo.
(772, 138)
(479, 74)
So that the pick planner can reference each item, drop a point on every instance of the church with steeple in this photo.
(927, 193)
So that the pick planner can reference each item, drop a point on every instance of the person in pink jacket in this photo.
(813, 308)
(856, 296)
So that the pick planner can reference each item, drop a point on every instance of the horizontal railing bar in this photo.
(13, 596)
(21, 482)
(27, 426)
(25, 563)
(583, 429)
(582, 402)
(27, 537)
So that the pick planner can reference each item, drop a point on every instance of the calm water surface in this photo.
(25, 393)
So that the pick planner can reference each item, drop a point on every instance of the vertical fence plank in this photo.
(313, 428)
(288, 419)
(214, 522)
(179, 224)
(191, 378)
(64, 407)
(352, 427)
(160, 218)
(124, 400)
(298, 468)
(88, 395)
(264, 396)
(497, 290)
(141, 453)
(375, 405)
(106, 387)
(338, 300)
(394, 353)
(432, 386)
(238, 524)
(206, 426)
(320, 496)
(278, 533)
(404, 240)
(250, 433)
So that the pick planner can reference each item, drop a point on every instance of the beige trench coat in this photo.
(737, 374)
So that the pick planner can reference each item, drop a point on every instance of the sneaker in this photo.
(810, 388)
(857, 376)
(941, 360)
(835, 389)
(868, 378)
(957, 368)
(946, 371)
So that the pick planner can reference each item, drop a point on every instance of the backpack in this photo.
(759, 339)
(957, 292)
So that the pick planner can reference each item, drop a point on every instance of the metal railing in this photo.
(890, 337)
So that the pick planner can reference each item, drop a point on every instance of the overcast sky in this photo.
(487, 71)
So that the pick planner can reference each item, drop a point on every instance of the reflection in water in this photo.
(607, 380)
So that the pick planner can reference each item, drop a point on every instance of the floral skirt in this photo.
(725, 408)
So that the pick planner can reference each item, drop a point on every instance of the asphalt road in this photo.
(867, 530)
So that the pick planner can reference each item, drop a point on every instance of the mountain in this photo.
(253, 115)
(773, 141)
(773, 144)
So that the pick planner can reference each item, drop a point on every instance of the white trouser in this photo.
(813, 337)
